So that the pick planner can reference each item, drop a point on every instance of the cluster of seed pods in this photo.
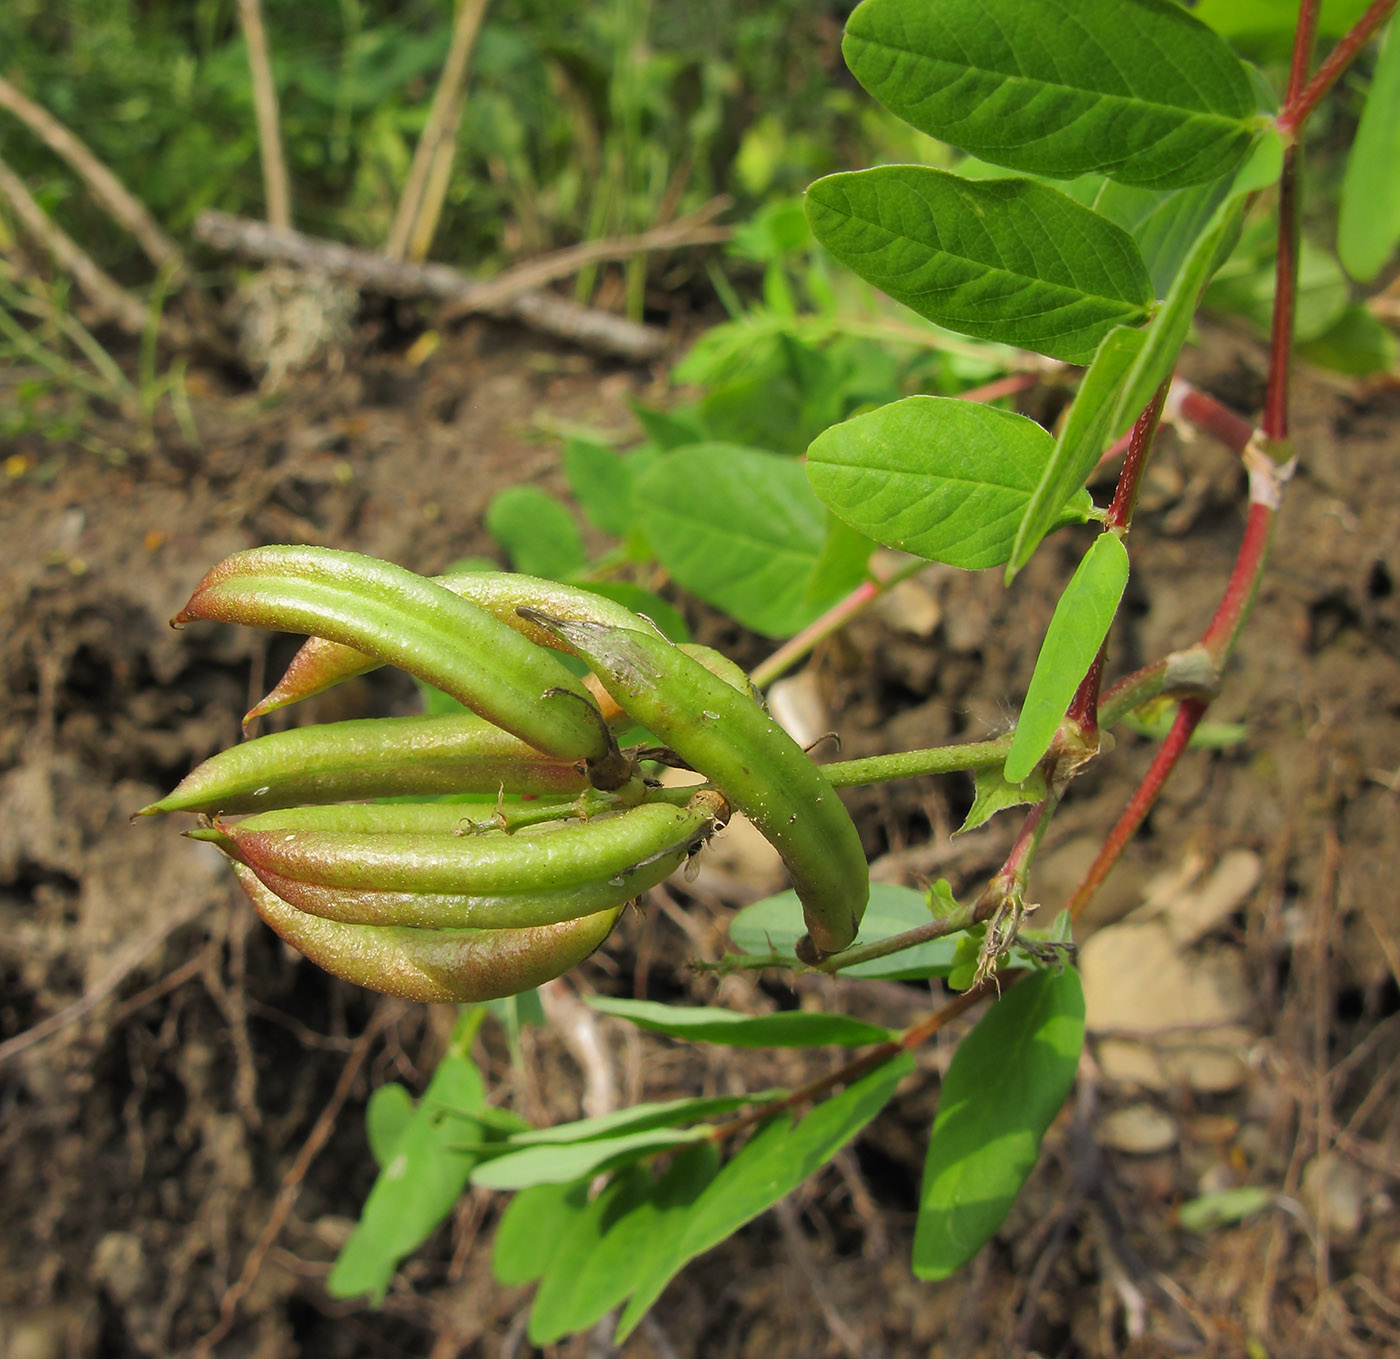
(466, 901)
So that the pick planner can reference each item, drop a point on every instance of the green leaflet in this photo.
(605, 1248)
(532, 1229)
(1008, 259)
(710, 1024)
(777, 920)
(774, 1162)
(994, 794)
(1004, 1086)
(422, 1173)
(741, 529)
(1134, 89)
(387, 1116)
(1094, 420)
(561, 1162)
(592, 1268)
(638, 1118)
(1164, 223)
(1080, 623)
(949, 480)
(538, 532)
(601, 481)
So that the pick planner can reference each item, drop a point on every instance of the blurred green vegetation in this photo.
(581, 120)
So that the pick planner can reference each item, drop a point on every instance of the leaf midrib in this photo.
(1011, 77)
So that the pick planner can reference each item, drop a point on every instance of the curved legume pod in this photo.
(457, 966)
(321, 663)
(370, 757)
(559, 856)
(501, 910)
(758, 767)
(409, 621)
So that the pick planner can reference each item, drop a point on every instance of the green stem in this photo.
(912, 764)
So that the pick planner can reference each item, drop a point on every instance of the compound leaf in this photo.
(1009, 260)
(421, 1179)
(1004, 1086)
(774, 1162)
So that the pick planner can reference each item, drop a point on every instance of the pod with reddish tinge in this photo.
(758, 767)
(322, 663)
(501, 910)
(557, 856)
(370, 757)
(406, 620)
(457, 965)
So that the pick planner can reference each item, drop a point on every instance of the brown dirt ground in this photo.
(165, 1059)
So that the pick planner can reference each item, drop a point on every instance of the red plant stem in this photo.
(1007, 386)
(1120, 513)
(1266, 480)
(1299, 106)
(1083, 710)
(1275, 423)
(1206, 413)
(1144, 795)
(1220, 636)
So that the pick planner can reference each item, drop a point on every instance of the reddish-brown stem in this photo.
(1206, 413)
(1120, 513)
(1007, 386)
(1084, 707)
(1188, 715)
(1275, 423)
(874, 1057)
(1300, 104)
(1265, 484)
(1219, 637)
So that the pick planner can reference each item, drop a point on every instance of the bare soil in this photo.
(166, 1067)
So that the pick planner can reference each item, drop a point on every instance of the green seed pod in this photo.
(322, 663)
(751, 760)
(454, 966)
(409, 621)
(501, 910)
(370, 757)
(559, 856)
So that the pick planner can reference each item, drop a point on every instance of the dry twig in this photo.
(103, 291)
(398, 278)
(277, 185)
(127, 210)
(423, 194)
